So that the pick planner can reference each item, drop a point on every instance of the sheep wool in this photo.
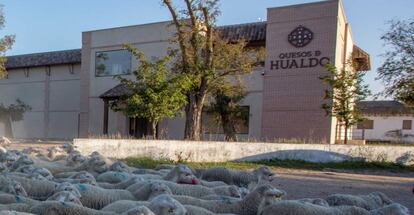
(371, 201)
(96, 198)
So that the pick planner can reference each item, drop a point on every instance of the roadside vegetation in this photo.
(145, 162)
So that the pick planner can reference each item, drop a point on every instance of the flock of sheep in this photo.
(62, 181)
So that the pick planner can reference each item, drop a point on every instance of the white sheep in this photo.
(236, 177)
(191, 190)
(96, 197)
(151, 190)
(392, 209)
(63, 208)
(371, 201)
(160, 205)
(249, 205)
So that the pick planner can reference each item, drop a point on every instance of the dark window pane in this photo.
(407, 124)
(367, 124)
(109, 63)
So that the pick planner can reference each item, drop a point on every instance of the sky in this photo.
(51, 25)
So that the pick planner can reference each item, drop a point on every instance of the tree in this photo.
(345, 89)
(154, 94)
(12, 113)
(5, 44)
(204, 56)
(397, 71)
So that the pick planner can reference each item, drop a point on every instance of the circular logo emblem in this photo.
(300, 37)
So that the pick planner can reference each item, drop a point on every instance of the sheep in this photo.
(22, 161)
(74, 158)
(300, 208)
(36, 189)
(65, 196)
(140, 210)
(119, 166)
(67, 187)
(14, 209)
(151, 190)
(12, 187)
(121, 185)
(371, 201)
(6, 199)
(160, 205)
(113, 177)
(97, 198)
(315, 201)
(249, 205)
(392, 209)
(64, 208)
(194, 210)
(239, 178)
(79, 177)
(197, 191)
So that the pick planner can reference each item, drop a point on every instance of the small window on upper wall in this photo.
(407, 124)
(366, 124)
(110, 63)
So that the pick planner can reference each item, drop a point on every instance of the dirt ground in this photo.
(312, 184)
(304, 183)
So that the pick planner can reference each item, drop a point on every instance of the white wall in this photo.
(54, 101)
(383, 124)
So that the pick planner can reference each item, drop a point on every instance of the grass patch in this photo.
(290, 164)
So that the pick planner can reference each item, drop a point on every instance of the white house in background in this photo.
(386, 121)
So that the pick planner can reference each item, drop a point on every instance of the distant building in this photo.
(69, 91)
(385, 121)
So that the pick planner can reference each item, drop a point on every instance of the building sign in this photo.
(300, 37)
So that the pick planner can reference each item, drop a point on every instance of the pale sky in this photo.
(51, 25)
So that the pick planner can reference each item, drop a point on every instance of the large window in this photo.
(110, 63)
(366, 124)
(212, 125)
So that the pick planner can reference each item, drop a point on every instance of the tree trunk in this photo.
(153, 129)
(193, 111)
(8, 130)
(228, 128)
(346, 134)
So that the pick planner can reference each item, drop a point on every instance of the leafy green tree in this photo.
(345, 89)
(155, 93)
(5, 44)
(12, 113)
(397, 71)
(226, 109)
(204, 56)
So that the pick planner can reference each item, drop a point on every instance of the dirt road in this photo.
(303, 183)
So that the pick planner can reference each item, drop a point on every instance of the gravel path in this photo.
(303, 183)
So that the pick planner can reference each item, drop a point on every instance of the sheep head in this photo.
(43, 172)
(381, 198)
(65, 196)
(119, 166)
(13, 187)
(264, 173)
(158, 188)
(67, 187)
(166, 205)
(84, 177)
(182, 174)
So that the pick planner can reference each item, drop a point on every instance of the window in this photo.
(366, 124)
(407, 124)
(212, 125)
(110, 63)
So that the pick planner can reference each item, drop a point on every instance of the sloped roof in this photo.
(252, 32)
(116, 92)
(44, 59)
(384, 108)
